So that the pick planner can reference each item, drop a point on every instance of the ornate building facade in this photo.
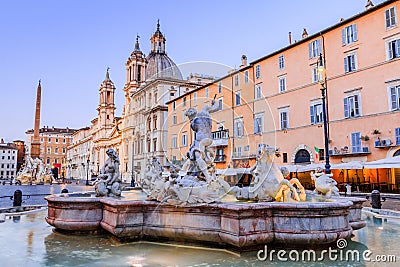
(142, 131)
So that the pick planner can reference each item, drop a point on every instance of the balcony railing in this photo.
(346, 151)
(220, 138)
(221, 134)
(241, 155)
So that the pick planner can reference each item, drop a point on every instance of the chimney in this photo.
(244, 61)
(304, 34)
(290, 38)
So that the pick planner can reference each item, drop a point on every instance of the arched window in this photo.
(302, 156)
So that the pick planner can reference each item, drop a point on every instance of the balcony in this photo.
(384, 143)
(240, 155)
(220, 138)
(345, 151)
(220, 158)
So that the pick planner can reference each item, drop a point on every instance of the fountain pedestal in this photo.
(238, 225)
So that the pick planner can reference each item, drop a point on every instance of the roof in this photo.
(159, 65)
(53, 130)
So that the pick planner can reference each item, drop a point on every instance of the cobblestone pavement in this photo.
(390, 204)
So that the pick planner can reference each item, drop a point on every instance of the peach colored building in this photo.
(276, 100)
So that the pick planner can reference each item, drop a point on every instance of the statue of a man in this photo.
(109, 183)
(201, 124)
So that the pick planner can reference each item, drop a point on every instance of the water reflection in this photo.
(31, 242)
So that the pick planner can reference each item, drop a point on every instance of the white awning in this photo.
(386, 163)
(352, 165)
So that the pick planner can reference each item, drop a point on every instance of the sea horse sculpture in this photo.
(269, 183)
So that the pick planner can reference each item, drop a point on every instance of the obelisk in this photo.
(35, 145)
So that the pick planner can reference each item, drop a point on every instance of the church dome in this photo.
(159, 65)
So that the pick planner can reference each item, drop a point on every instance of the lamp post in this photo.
(87, 170)
(133, 165)
(322, 81)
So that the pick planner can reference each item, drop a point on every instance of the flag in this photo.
(316, 150)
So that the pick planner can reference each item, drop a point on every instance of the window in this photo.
(47, 160)
(284, 119)
(174, 105)
(237, 98)
(246, 76)
(394, 94)
(64, 150)
(56, 150)
(257, 91)
(352, 106)
(183, 117)
(57, 140)
(258, 123)
(349, 34)
(246, 148)
(49, 140)
(237, 80)
(238, 128)
(55, 160)
(393, 49)
(356, 142)
(281, 62)
(220, 103)
(258, 73)
(64, 140)
(199, 81)
(321, 154)
(174, 119)
(316, 113)
(155, 144)
(195, 97)
(314, 48)
(314, 73)
(285, 158)
(350, 63)
(184, 101)
(48, 149)
(238, 151)
(206, 93)
(174, 141)
(282, 84)
(184, 139)
(397, 134)
(219, 87)
(390, 17)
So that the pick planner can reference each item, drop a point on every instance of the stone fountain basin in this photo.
(239, 225)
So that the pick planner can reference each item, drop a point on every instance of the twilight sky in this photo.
(68, 44)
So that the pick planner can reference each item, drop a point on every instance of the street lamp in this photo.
(133, 165)
(87, 169)
(322, 81)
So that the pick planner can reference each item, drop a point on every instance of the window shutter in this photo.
(397, 133)
(310, 50)
(356, 106)
(393, 97)
(312, 114)
(346, 108)
(255, 126)
(353, 62)
(346, 65)
(319, 48)
(355, 33)
(344, 36)
(387, 16)
(397, 53)
(390, 50)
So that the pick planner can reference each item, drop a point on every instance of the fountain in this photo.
(192, 204)
(33, 172)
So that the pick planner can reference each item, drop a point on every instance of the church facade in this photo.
(141, 133)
